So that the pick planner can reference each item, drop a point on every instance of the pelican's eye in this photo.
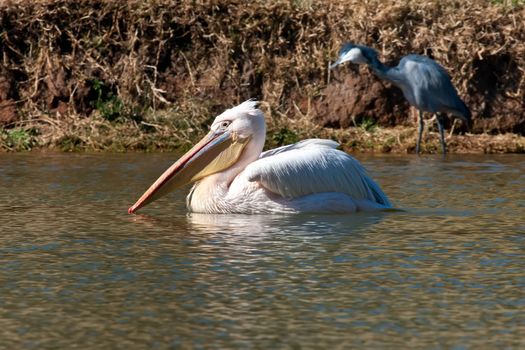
(224, 124)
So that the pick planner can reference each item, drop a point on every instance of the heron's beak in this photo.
(217, 151)
(336, 63)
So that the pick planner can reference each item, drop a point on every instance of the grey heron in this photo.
(425, 84)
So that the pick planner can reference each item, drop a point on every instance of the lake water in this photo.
(76, 271)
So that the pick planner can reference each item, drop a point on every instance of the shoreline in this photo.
(166, 131)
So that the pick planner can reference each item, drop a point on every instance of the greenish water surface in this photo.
(76, 271)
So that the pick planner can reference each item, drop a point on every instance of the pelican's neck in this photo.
(208, 194)
(250, 153)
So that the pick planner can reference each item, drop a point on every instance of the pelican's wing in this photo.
(299, 145)
(313, 166)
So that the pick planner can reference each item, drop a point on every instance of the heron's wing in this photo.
(313, 166)
(433, 83)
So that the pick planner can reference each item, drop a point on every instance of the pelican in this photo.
(231, 174)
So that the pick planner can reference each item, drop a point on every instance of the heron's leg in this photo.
(420, 131)
(452, 128)
(440, 119)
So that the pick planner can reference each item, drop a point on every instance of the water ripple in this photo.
(77, 271)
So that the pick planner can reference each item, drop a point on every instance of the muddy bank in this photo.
(75, 73)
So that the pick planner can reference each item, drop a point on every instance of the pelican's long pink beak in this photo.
(186, 169)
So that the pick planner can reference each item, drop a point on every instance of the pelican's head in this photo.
(356, 54)
(222, 147)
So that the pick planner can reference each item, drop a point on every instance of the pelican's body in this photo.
(233, 175)
(299, 178)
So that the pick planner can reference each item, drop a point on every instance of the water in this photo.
(77, 271)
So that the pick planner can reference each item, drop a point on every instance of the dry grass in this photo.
(122, 75)
(172, 131)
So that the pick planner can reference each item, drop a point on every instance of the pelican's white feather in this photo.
(248, 107)
(301, 144)
(313, 166)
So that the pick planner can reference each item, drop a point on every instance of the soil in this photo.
(8, 110)
(353, 98)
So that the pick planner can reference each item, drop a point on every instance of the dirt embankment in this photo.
(85, 73)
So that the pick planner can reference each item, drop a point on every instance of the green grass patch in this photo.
(284, 136)
(18, 139)
(368, 124)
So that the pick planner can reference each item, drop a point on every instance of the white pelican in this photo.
(231, 175)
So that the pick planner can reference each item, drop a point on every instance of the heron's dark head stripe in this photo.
(346, 47)
(370, 54)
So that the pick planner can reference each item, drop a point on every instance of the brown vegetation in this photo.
(100, 74)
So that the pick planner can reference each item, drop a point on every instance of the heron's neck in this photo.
(383, 71)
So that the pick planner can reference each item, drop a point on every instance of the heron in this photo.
(425, 84)
(232, 174)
